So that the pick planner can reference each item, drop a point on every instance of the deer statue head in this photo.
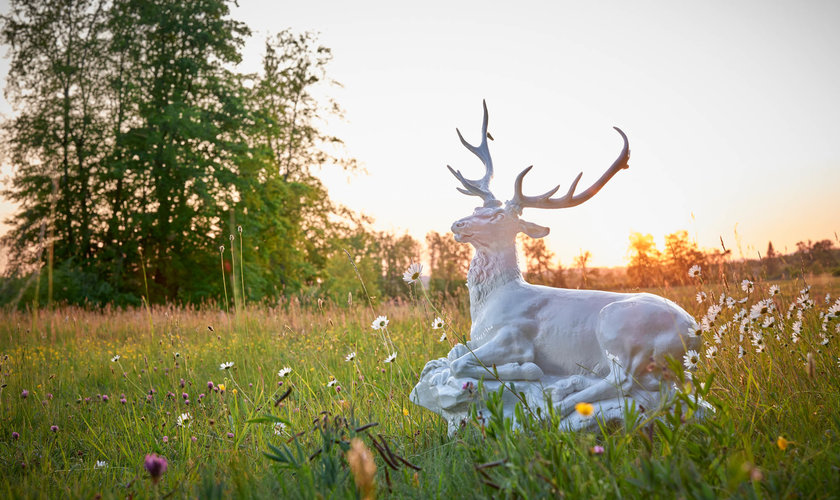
(492, 224)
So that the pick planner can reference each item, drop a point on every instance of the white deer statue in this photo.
(573, 346)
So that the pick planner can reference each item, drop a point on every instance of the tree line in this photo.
(138, 150)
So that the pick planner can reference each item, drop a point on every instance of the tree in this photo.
(538, 261)
(680, 254)
(449, 262)
(644, 269)
(57, 139)
(580, 262)
(396, 253)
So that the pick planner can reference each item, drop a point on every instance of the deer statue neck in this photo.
(490, 269)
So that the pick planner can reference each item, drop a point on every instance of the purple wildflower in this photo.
(15, 435)
(54, 428)
(24, 394)
(155, 465)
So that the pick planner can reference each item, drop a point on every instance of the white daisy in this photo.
(284, 371)
(774, 290)
(279, 429)
(413, 272)
(379, 323)
(226, 366)
(701, 296)
(184, 419)
(390, 358)
(115, 358)
(442, 337)
(350, 357)
(730, 302)
(768, 321)
(747, 286)
(690, 359)
(694, 271)
(437, 324)
(741, 351)
(332, 381)
(712, 351)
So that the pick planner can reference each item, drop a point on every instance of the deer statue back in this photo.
(551, 344)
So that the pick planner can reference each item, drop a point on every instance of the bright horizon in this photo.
(730, 111)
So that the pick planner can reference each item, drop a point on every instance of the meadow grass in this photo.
(775, 430)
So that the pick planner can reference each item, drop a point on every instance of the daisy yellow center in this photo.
(415, 276)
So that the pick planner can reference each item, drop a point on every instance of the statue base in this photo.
(451, 397)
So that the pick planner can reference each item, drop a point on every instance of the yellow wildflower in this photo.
(585, 409)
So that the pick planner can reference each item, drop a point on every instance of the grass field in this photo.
(76, 421)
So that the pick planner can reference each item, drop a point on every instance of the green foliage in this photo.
(136, 148)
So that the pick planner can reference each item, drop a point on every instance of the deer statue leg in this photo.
(640, 332)
(511, 351)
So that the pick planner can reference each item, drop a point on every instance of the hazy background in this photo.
(731, 111)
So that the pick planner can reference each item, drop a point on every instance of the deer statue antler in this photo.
(521, 201)
(478, 187)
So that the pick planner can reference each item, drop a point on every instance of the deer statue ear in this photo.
(533, 230)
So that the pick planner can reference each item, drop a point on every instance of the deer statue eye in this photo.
(497, 217)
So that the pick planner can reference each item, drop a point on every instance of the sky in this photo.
(731, 109)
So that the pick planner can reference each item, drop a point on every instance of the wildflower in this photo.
(413, 272)
(165, 439)
(221, 387)
(695, 330)
(239, 229)
(390, 358)
(16, 436)
(177, 354)
(782, 443)
(231, 237)
(584, 409)
(730, 302)
(442, 337)
(694, 271)
(155, 465)
(54, 428)
(437, 324)
(279, 428)
(741, 352)
(380, 322)
(221, 249)
(230, 435)
(712, 351)
(598, 449)
(405, 411)
(350, 357)
(115, 358)
(701, 296)
(184, 419)
(100, 464)
(123, 400)
(768, 321)
(332, 381)
(24, 394)
(363, 468)
(193, 439)
(104, 398)
(774, 290)
(747, 286)
(690, 359)
(210, 385)
(226, 366)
